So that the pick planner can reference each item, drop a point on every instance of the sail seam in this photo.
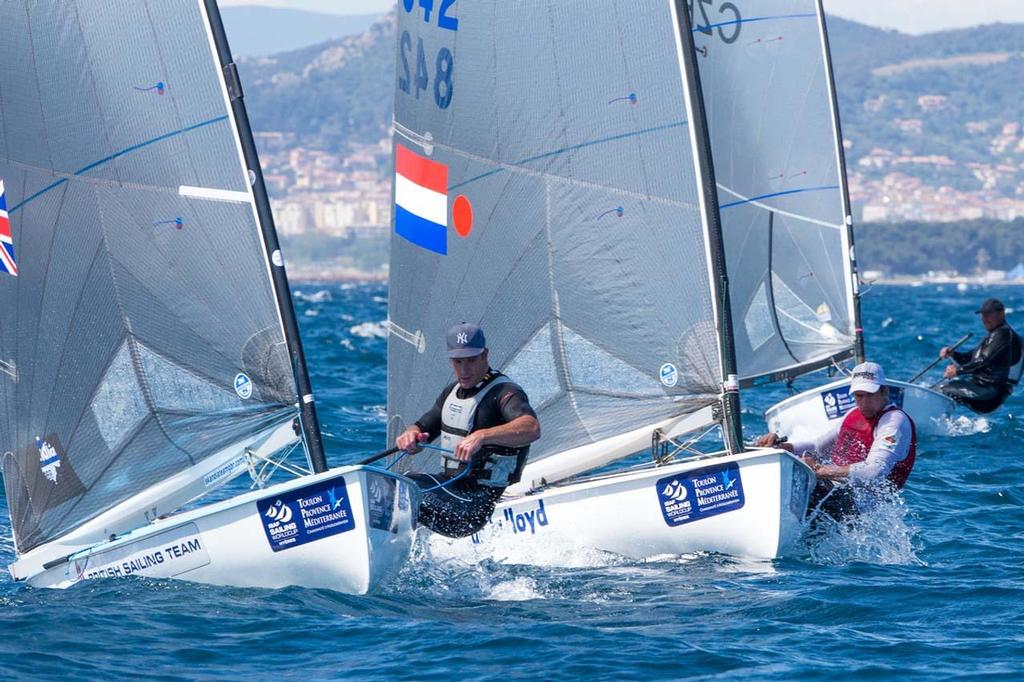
(561, 361)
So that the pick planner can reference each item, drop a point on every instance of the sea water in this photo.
(930, 586)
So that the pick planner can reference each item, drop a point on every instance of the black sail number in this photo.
(728, 20)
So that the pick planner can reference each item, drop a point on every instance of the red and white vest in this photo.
(856, 436)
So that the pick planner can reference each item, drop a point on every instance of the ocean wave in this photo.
(316, 297)
(370, 330)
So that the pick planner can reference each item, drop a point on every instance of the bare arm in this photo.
(521, 431)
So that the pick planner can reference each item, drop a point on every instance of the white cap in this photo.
(868, 377)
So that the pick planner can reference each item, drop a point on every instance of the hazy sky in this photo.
(911, 16)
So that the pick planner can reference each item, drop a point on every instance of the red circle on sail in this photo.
(462, 216)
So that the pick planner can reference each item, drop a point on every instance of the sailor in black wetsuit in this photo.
(488, 422)
(984, 377)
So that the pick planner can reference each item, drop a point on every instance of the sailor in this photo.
(871, 451)
(982, 378)
(486, 421)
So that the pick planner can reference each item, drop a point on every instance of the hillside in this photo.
(945, 108)
(259, 31)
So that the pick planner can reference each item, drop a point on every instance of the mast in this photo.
(307, 407)
(852, 276)
(732, 426)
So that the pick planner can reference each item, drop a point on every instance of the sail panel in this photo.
(585, 261)
(143, 323)
(768, 104)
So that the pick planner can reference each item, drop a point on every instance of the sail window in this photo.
(593, 367)
(176, 388)
(758, 319)
(533, 368)
(118, 405)
(798, 321)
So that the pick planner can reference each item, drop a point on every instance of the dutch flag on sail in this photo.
(421, 200)
(7, 262)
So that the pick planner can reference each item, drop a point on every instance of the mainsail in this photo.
(547, 188)
(781, 187)
(142, 331)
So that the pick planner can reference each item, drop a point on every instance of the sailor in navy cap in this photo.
(486, 424)
(983, 377)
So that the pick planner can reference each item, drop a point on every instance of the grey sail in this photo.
(546, 188)
(782, 194)
(141, 329)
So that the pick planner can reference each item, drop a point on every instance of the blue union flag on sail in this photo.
(7, 262)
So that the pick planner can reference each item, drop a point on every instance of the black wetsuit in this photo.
(984, 380)
(465, 506)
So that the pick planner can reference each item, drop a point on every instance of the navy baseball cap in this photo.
(466, 341)
(992, 305)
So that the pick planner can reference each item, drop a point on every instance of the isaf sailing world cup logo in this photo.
(674, 491)
(280, 512)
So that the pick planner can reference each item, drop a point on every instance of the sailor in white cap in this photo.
(874, 446)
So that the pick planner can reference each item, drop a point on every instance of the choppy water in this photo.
(932, 588)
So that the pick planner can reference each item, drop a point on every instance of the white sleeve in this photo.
(891, 446)
(821, 444)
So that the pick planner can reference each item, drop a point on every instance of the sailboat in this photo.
(788, 225)
(555, 184)
(151, 352)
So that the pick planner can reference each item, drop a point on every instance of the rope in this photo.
(443, 486)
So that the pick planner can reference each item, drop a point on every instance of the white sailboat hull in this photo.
(803, 416)
(347, 529)
(640, 514)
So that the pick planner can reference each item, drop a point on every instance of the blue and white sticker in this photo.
(307, 514)
(837, 402)
(382, 503)
(49, 459)
(243, 386)
(694, 495)
(668, 374)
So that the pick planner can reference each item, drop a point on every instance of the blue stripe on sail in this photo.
(127, 150)
(421, 232)
(751, 20)
(777, 194)
(571, 148)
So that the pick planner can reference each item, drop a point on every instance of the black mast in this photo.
(307, 407)
(732, 427)
(854, 284)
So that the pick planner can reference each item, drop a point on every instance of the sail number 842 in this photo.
(443, 64)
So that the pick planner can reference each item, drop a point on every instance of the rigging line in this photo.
(570, 148)
(787, 192)
(788, 214)
(116, 155)
(751, 20)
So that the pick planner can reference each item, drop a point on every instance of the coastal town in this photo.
(347, 196)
